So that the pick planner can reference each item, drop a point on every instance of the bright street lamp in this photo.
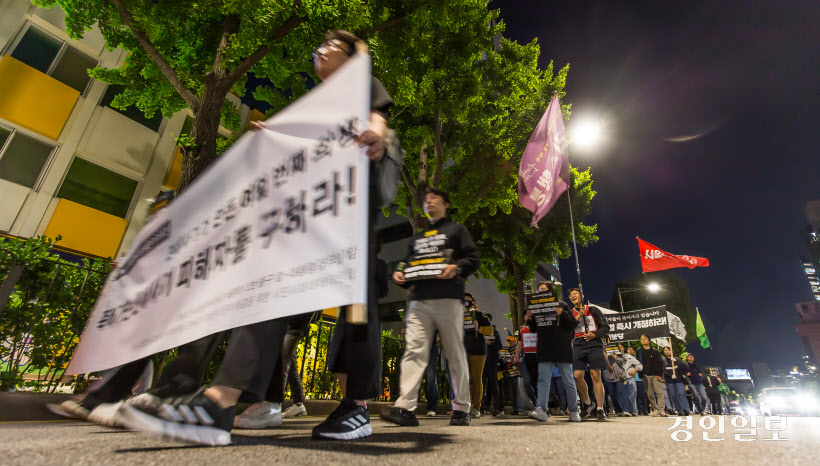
(652, 288)
(586, 134)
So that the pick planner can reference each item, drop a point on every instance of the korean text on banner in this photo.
(544, 171)
(277, 226)
(629, 326)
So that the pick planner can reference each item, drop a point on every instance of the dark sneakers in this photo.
(399, 416)
(348, 421)
(460, 418)
(191, 418)
(601, 415)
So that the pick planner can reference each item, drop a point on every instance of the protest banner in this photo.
(276, 226)
(542, 305)
(612, 348)
(629, 326)
(428, 264)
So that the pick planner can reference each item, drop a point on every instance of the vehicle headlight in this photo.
(809, 401)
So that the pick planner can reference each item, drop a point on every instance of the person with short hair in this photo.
(437, 304)
(254, 350)
(588, 353)
(695, 375)
(555, 327)
(673, 374)
(652, 375)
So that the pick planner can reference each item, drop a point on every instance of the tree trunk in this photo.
(204, 131)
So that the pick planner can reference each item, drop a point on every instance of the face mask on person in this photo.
(468, 304)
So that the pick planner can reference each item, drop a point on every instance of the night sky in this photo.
(742, 76)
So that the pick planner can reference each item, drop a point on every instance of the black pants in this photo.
(714, 403)
(251, 357)
(287, 373)
(182, 375)
(492, 392)
(356, 350)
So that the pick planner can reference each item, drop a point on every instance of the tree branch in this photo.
(187, 95)
(383, 25)
(408, 181)
(232, 22)
(289, 25)
(492, 183)
(437, 145)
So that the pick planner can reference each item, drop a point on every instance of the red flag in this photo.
(653, 259)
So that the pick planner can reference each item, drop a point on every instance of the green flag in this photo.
(700, 331)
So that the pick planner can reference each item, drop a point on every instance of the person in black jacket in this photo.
(652, 375)
(254, 350)
(436, 303)
(493, 403)
(555, 325)
(588, 352)
(673, 373)
(711, 384)
(695, 385)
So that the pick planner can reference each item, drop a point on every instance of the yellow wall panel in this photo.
(34, 100)
(256, 115)
(175, 170)
(85, 229)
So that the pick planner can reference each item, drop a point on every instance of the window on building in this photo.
(22, 158)
(94, 186)
(37, 49)
(131, 112)
(54, 57)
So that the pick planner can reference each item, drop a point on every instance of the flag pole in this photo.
(575, 247)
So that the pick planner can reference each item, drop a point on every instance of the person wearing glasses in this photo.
(206, 416)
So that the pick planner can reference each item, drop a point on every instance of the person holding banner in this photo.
(588, 352)
(438, 262)
(652, 375)
(555, 325)
(526, 354)
(673, 372)
(207, 415)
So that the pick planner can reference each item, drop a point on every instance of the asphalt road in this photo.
(501, 440)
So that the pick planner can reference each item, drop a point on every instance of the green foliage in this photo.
(187, 53)
(47, 312)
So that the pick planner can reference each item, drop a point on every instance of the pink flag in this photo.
(544, 171)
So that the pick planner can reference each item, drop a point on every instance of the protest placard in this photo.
(276, 226)
(629, 326)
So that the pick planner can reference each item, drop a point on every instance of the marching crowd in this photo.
(557, 363)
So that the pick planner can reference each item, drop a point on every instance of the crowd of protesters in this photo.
(555, 364)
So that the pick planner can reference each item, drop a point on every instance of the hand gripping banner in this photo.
(277, 226)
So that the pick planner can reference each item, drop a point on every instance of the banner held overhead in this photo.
(277, 226)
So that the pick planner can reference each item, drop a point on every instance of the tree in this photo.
(673, 294)
(511, 249)
(187, 53)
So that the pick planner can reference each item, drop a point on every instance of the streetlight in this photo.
(652, 288)
(586, 134)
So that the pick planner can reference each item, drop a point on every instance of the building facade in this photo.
(71, 164)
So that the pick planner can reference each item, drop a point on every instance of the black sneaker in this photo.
(399, 416)
(601, 415)
(348, 421)
(460, 418)
(191, 418)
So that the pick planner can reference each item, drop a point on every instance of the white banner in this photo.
(676, 326)
(277, 226)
